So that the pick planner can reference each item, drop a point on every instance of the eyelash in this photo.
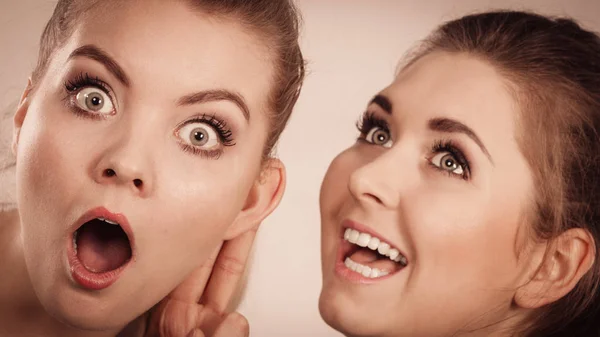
(81, 81)
(84, 80)
(453, 149)
(220, 126)
(369, 121)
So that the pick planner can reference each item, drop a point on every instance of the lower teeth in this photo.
(365, 271)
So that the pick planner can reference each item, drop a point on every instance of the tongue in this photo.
(370, 258)
(102, 247)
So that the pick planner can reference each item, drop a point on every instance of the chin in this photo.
(89, 321)
(90, 312)
(346, 317)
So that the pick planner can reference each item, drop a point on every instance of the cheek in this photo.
(334, 199)
(334, 189)
(49, 162)
(195, 205)
(211, 204)
(464, 239)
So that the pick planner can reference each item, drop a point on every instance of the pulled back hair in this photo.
(276, 22)
(552, 66)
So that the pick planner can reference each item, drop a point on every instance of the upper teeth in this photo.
(108, 221)
(373, 243)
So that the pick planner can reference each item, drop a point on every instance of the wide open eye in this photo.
(94, 100)
(199, 135)
(379, 136)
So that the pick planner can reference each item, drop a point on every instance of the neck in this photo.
(503, 326)
(21, 313)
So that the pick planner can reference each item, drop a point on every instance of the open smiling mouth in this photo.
(369, 256)
(100, 249)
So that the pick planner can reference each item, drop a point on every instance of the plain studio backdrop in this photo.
(353, 48)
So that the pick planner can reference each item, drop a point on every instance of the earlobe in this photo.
(569, 257)
(264, 197)
(20, 114)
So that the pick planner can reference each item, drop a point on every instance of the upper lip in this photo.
(102, 212)
(366, 229)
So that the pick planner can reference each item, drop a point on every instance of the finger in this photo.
(228, 271)
(191, 289)
(174, 318)
(196, 333)
(234, 325)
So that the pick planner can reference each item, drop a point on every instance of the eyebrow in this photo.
(97, 54)
(440, 124)
(216, 95)
(383, 102)
(448, 125)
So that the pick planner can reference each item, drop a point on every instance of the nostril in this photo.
(138, 183)
(374, 197)
(109, 173)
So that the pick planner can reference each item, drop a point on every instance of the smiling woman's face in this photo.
(151, 116)
(436, 189)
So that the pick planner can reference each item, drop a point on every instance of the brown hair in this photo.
(275, 21)
(552, 67)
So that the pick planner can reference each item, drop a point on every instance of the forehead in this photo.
(168, 44)
(453, 83)
(460, 87)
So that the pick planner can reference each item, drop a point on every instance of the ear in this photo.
(568, 258)
(20, 114)
(264, 197)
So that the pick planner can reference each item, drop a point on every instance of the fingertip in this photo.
(195, 333)
(234, 325)
(241, 323)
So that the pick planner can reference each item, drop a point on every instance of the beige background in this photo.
(353, 48)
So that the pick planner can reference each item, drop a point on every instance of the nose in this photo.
(380, 180)
(125, 165)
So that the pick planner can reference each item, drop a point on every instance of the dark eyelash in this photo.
(454, 150)
(225, 134)
(85, 80)
(74, 85)
(212, 154)
(369, 121)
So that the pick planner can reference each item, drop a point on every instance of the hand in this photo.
(198, 306)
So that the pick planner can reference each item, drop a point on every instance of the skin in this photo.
(464, 239)
(187, 204)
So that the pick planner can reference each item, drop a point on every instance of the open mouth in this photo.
(370, 256)
(101, 249)
(101, 245)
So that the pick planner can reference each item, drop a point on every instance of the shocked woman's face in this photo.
(136, 155)
(421, 217)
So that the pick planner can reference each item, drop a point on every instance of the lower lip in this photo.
(85, 278)
(347, 274)
(88, 279)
